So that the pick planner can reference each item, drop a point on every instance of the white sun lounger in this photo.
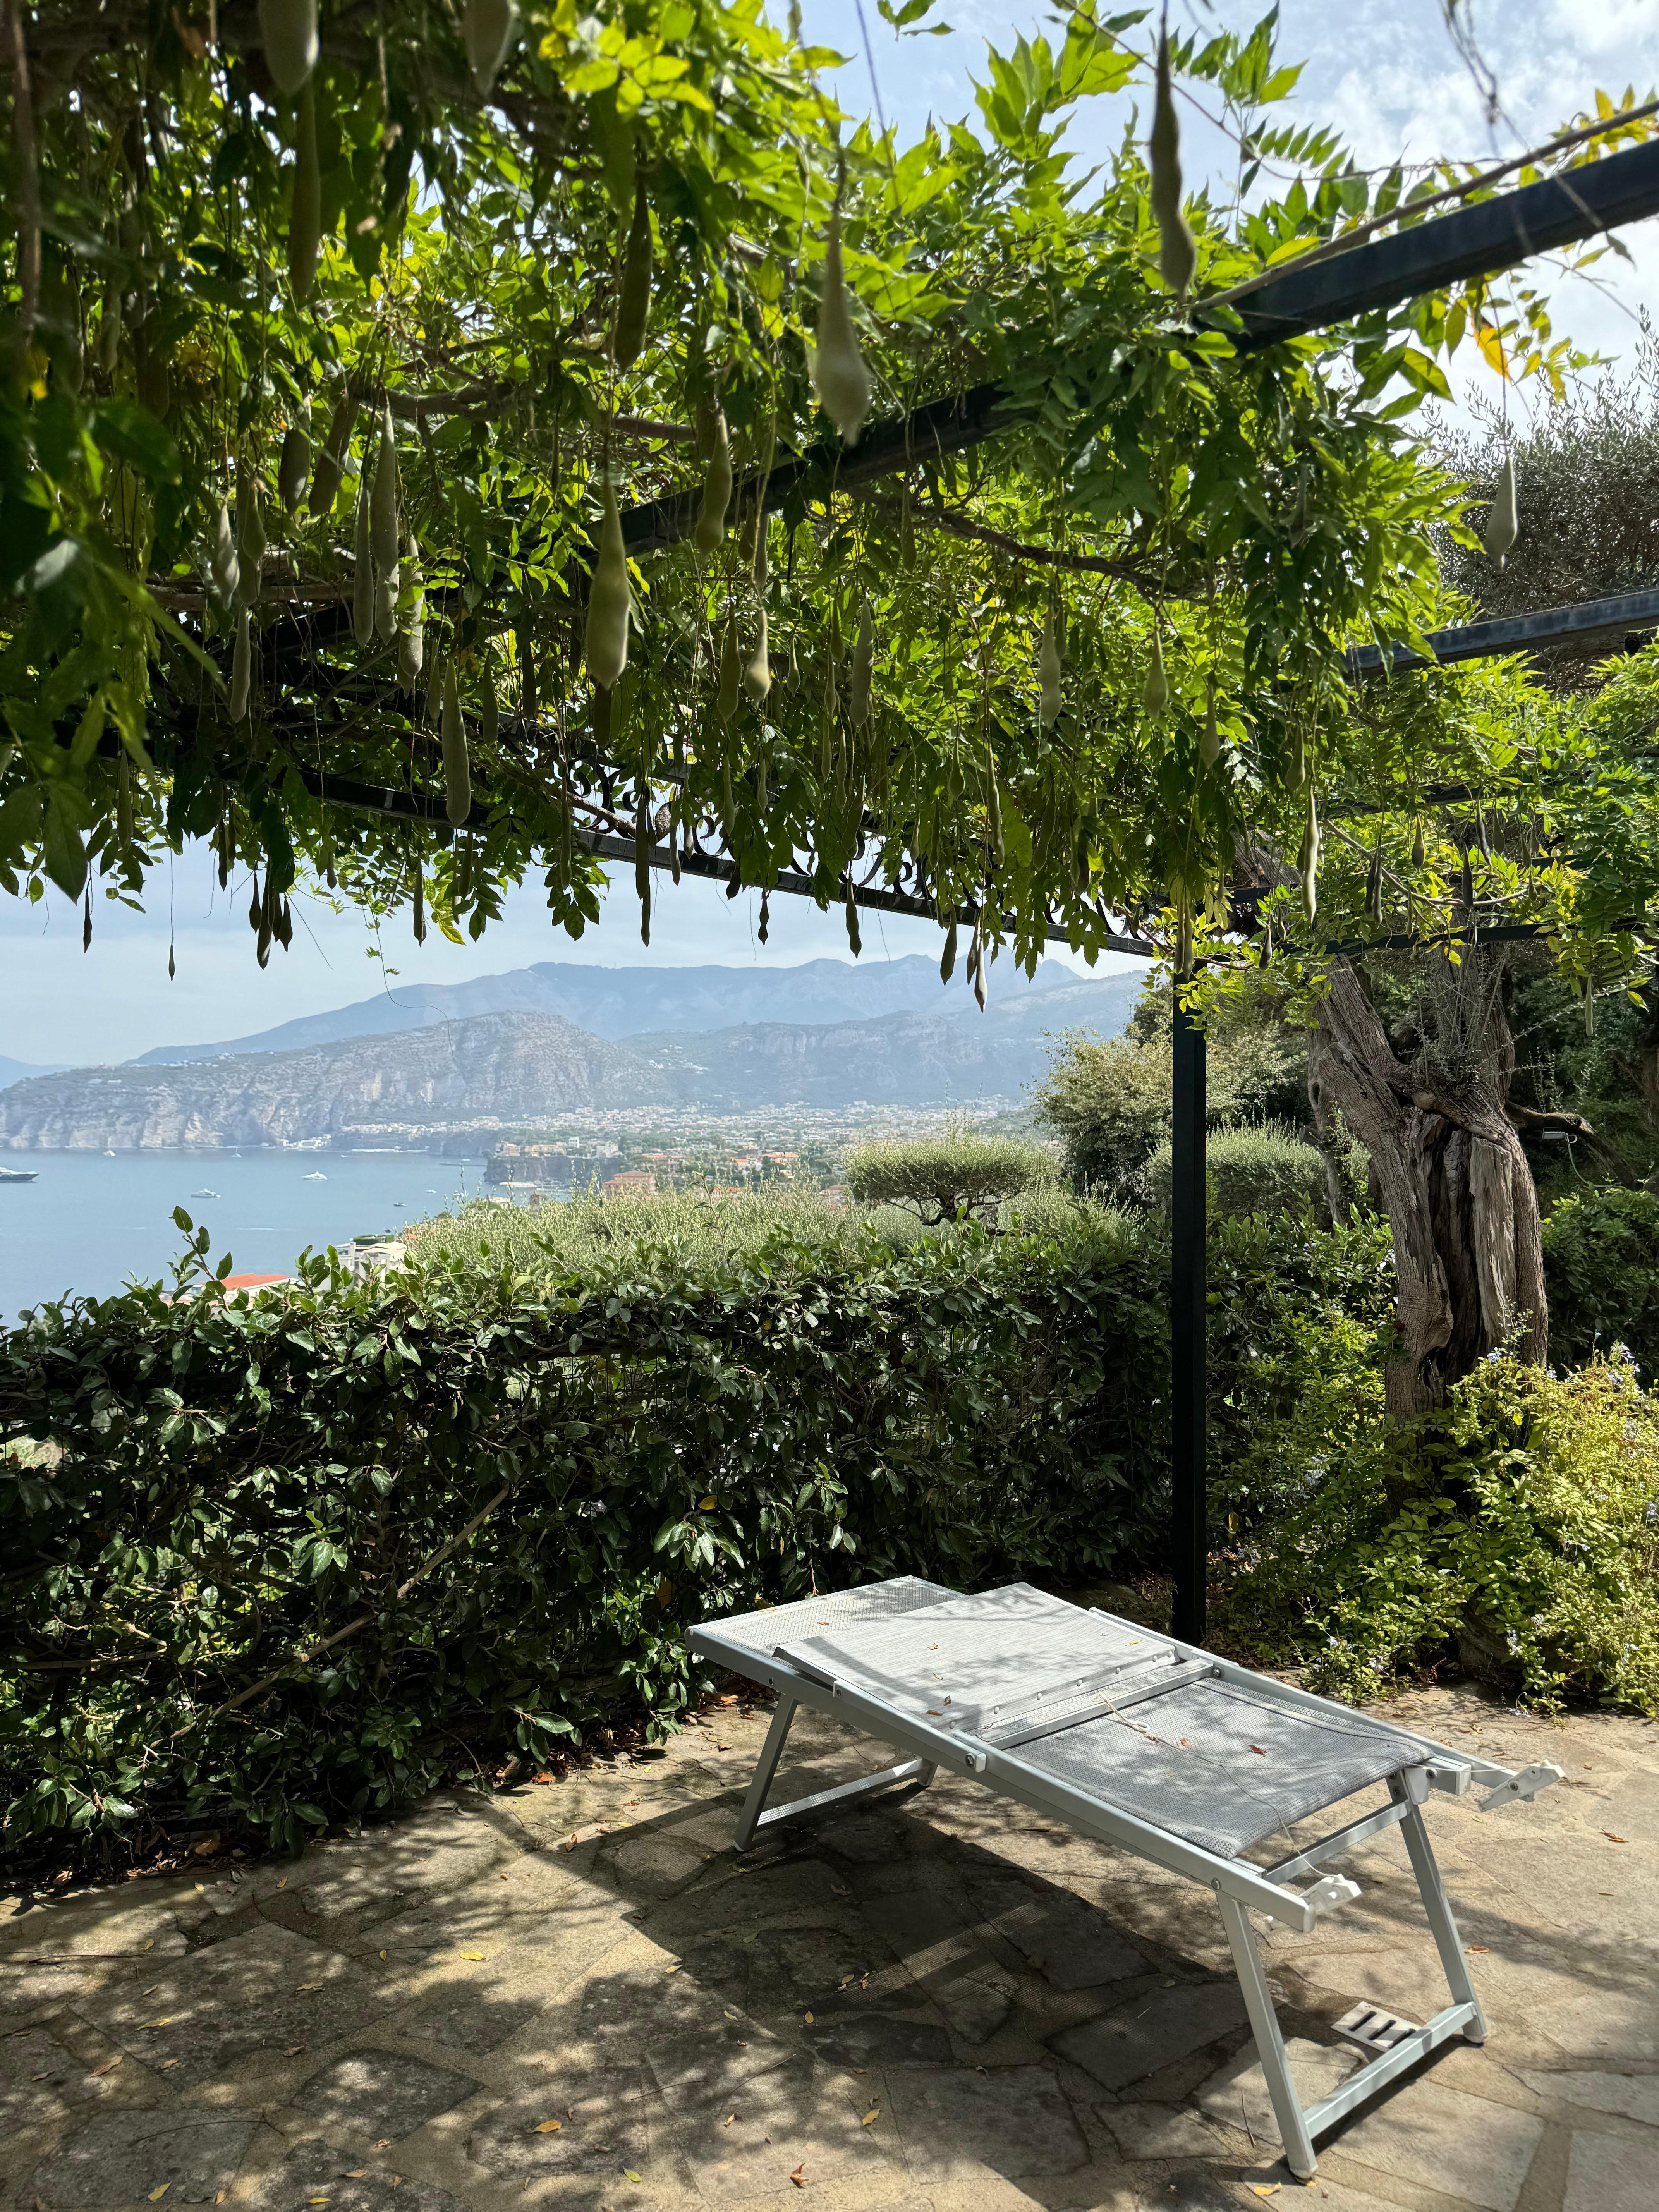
(1155, 1746)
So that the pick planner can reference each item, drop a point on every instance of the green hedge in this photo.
(1261, 1168)
(1601, 1268)
(219, 1597)
(227, 1488)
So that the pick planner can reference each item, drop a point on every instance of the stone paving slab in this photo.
(576, 1995)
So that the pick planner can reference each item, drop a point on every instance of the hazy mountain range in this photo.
(621, 1002)
(519, 1068)
(19, 1070)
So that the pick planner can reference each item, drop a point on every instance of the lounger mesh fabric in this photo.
(1217, 1766)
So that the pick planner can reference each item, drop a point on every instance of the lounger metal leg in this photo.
(754, 1814)
(1447, 1940)
(1269, 2043)
(765, 1767)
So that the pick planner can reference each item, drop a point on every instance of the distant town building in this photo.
(632, 1183)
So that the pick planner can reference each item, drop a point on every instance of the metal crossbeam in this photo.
(1592, 621)
(1477, 240)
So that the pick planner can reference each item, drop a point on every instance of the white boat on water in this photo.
(18, 1175)
(109, 1152)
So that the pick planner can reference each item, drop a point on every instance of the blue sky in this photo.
(1385, 72)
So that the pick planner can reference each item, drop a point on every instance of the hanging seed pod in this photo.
(529, 699)
(461, 875)
(227, 845)
(489, 28)
(852, 916)
(1209, 745)
(330, 462)
(411, 619)
(993, 805)
(86, 923)
(124, 823)
(1156, 694)
(610, 601)
(226, 570)
(386, 609)
(1177, 250)
(839, 376)
(261, 924)
(634, 294)
(731, 670)
(760, 565)
(241, 665)
(1374, 886)
(948, 957)
(757, 670)
(976, 965)
(362, 581)
(250, 538)
(256, 905)
(716, 490)
(458, 775)
(1049, 672)
(1308, 860)
(1503, 525)
(418, 901)
(763, 929)
(383, 503)
(1184, 935)
(305, 210)
(287, 32)
(294, 465)
(109, 329)
(864, 662)
(1418, 852)
(282, 928)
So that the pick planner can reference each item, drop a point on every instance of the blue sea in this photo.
(91, 1223)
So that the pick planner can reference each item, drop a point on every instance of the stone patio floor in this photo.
(577, 1995)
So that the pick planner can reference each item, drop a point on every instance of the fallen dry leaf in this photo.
(108, 2066)
(383, 1955)
(1611, 1838)
(1260, 1753)
(548, 2127)
(475, 1954)
(304, 1986)
(293, 2050)
(40, 2077)
(807, 2017)
(357, 2173)
(1478, 1946)
(316, 2200)
(870, 2117)
(729, 2015)
(165, 2021)
(156, 2194)
(165, 2063)
(282, 1884)
(799, 2177)
(1264, 2189)
(628, 2174)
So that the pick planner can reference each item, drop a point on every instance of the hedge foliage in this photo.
(300, 1557)
(1601, 1257)
(1526, 1512)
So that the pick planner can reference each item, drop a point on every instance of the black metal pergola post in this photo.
(1189, 1544)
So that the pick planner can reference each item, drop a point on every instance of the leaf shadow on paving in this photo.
(935, 1994)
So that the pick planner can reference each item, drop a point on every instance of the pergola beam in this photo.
(1592, 621)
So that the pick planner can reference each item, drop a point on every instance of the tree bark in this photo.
(1448, 1164)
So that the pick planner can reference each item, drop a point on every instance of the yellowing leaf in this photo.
(705, 1505)
(156, 2194)
(1491, 349)
(1264, 2189)
(870, 2117)
(304, 1986)
(475, 1954)
(628, 2174)
(548, 2127)
(807, 2017)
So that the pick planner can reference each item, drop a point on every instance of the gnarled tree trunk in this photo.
(1449, 1170)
